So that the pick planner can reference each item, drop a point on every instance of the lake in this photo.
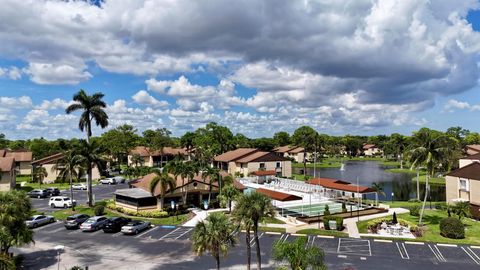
(368, 172)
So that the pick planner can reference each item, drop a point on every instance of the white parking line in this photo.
(415, 243)
(382, 241)
(252, 242)
(437, 253)
(116, 234)
(273, 233)
(168, 234)
(342, 256)
(446, 245)
(345, 246)
(147, 231)
(471, 254)
(286, 236)
(325, 236)
(184, 233)
(403, 251)
(363, 258)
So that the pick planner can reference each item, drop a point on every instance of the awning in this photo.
(264, 173)
(279, 196)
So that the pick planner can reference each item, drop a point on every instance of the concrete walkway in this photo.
(200, 215)
(351, 223)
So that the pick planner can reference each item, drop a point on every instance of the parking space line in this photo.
(471, 254)
(116, 234)
(446, 245)
(382, 241)
(403, 251)
(147, 231)
(345, 245)
(168, 234)
(437, 253)
(325, 236)
(414, 243)
(273, 233)
(313, 240)
(286, 236)
(342, 256)
(363, 258)
(476, 247)
(184, 233)
(252, 243)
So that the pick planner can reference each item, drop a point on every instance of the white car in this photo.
(80, 186)
(38, 220)
(61, 201)
(108, 181)
(93, 224)
(135, 226)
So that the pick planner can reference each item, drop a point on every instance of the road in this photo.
(170, 248)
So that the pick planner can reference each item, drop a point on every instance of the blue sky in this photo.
(341, 68)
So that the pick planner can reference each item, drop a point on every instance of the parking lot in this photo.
(169, 247)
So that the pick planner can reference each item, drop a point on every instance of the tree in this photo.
(241, 215)
(15, 208)
(187, 141)
(164, 182)
(305, 137)
(264, 144)
(69, 167)
(298, 254)
(281, 138)
(396, 145)
(241, 141)
(92, 108)
(120, 140)
(257, 207)
(137, 160)
(91, 155)
(157, 140)
(429, 148)
(229, 193)
(213, 235)
(3, 141)
(472, 138)
(378, 189)
(213, 175)
(461, 209)
(39, 173)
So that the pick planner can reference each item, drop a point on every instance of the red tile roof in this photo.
(473, 157)
(48, 160)
(368, 146)
(471, 171)
(264, 173)
(146, 152)
(20, 156)
(235, 154)
(279, 196)
(238, 185)
(340, 185)
(6, 164)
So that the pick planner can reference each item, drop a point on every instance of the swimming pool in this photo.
(315, 209)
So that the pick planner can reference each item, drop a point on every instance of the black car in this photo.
(53, 191)
(115, 224)
(73, 222)
(38, 193)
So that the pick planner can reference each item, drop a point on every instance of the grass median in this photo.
(323, 232)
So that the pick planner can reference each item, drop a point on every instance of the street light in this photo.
(392, 196)
(59, 249)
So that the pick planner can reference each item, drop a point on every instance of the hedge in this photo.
(452, 228)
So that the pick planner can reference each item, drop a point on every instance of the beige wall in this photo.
(453, 190)
(255, 166)
(53, 174)
(475, 191)
(147, 161)
(8, 181)
(131, 207)
(24, 168)
(372, 151)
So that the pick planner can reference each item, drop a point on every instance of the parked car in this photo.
(135, 226)
(61, 201)
(79, 186)
(73, 222)
(53, 191)
(38, 193)
(93, 224)
(115, 224)
(108, 181)
(39, 220)
(119, 179)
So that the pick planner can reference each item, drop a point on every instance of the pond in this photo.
(368, 172)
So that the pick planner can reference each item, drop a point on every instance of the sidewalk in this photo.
(200, 215)
(351, 223)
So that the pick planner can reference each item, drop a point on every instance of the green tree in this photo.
(213, 175)
(298, 254)
(241, 141)
(3, 141)
(461, 209)
(157, 140)
(92, 109)
(164, 182)
(242, 215)
(378, 189)
(15, 208)
(396, 145)
(119, 141)
(229, 192)
(429, 148)
(187, 141)
(281, 138)
(137, 160)
(305, 137)
(91, 156)
(213, 235)
(472, 138)
(69, 167)
(39, 173)
(264, 144)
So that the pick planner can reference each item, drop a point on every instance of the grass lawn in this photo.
(432, 220)
(30, 186)
(23, 178)
(390, 163)
(300, 177)
(323, 232)
(272, 220)
(404, 170)
(172, 220)
(271, 229)
(433, 181)
(403, 204)
(323, 164)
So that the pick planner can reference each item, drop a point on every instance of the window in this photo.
(463, 184)
(262, 165)
(278, 165)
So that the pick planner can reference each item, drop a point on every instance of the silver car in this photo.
(39, 220)
(135, 226)
(79, 186)
(93, 224)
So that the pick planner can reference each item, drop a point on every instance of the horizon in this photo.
(342, 69)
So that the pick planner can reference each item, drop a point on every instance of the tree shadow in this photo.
(39, 259)
(432, 220)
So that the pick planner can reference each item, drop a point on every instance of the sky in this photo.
(362, 67)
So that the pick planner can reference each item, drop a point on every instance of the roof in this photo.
(475, 147)
(471, 171)
(165, 151)
(340, 185)
(297, 150)
(136, 193)
(235, 154)
(20, 155)
(238, 185)
(6, 164)
(48, 160)
(279, 196)
(264, 173)
(2, 152)
(289, 149)
(473, 157)
(368, 146)
(261, 156)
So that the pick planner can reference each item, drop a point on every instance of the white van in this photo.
(61, 201)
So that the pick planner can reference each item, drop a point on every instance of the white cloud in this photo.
(451, 105)
(48, 73)
(13, 73)
(142, 97)
(16, 102)
(54, 104)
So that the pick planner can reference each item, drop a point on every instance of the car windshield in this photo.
(30, 218)
(90, 221)
(71, 218)
(66, 199)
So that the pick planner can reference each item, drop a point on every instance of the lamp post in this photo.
(392, 196)
(59, 249)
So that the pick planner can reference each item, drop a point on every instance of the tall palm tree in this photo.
(165, 182)
(70, 167)
(92, 107)
(429, 148)
(187, 170)
(257, 207)
(241, 215)
(229, 193)
(214, 235)
(298, 254)
(213, 175)
(91, 155)
(378, 189)
(39, 173)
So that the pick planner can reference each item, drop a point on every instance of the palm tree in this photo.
(241, 215)
(214, 235)
(378, 189)
(91, 155)
(229, 193)
(69, 167)
(257, 207)
(165, 182)
(213, 175)
(39, 173)
(92, 108)
(462, 209)
(187, 170)
(298, 255)
(429, 148)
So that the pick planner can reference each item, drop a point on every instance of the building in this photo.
(472, 149)
(52, 173)
(7, 173)
(154, 158)
(140, 198)
(246, 161)
(23, 159)
(371, 150)
(468, 160)
(293, 152)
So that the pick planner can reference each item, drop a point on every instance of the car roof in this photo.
(61, 197)
(76, 215)
(34, 216)
(97, 217)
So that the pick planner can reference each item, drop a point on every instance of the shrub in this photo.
(415, 200)
(146, 214)
(441, 206)
(414, 210)
(452, 228)
(327, 211)
(102, 203)
(99, 210)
